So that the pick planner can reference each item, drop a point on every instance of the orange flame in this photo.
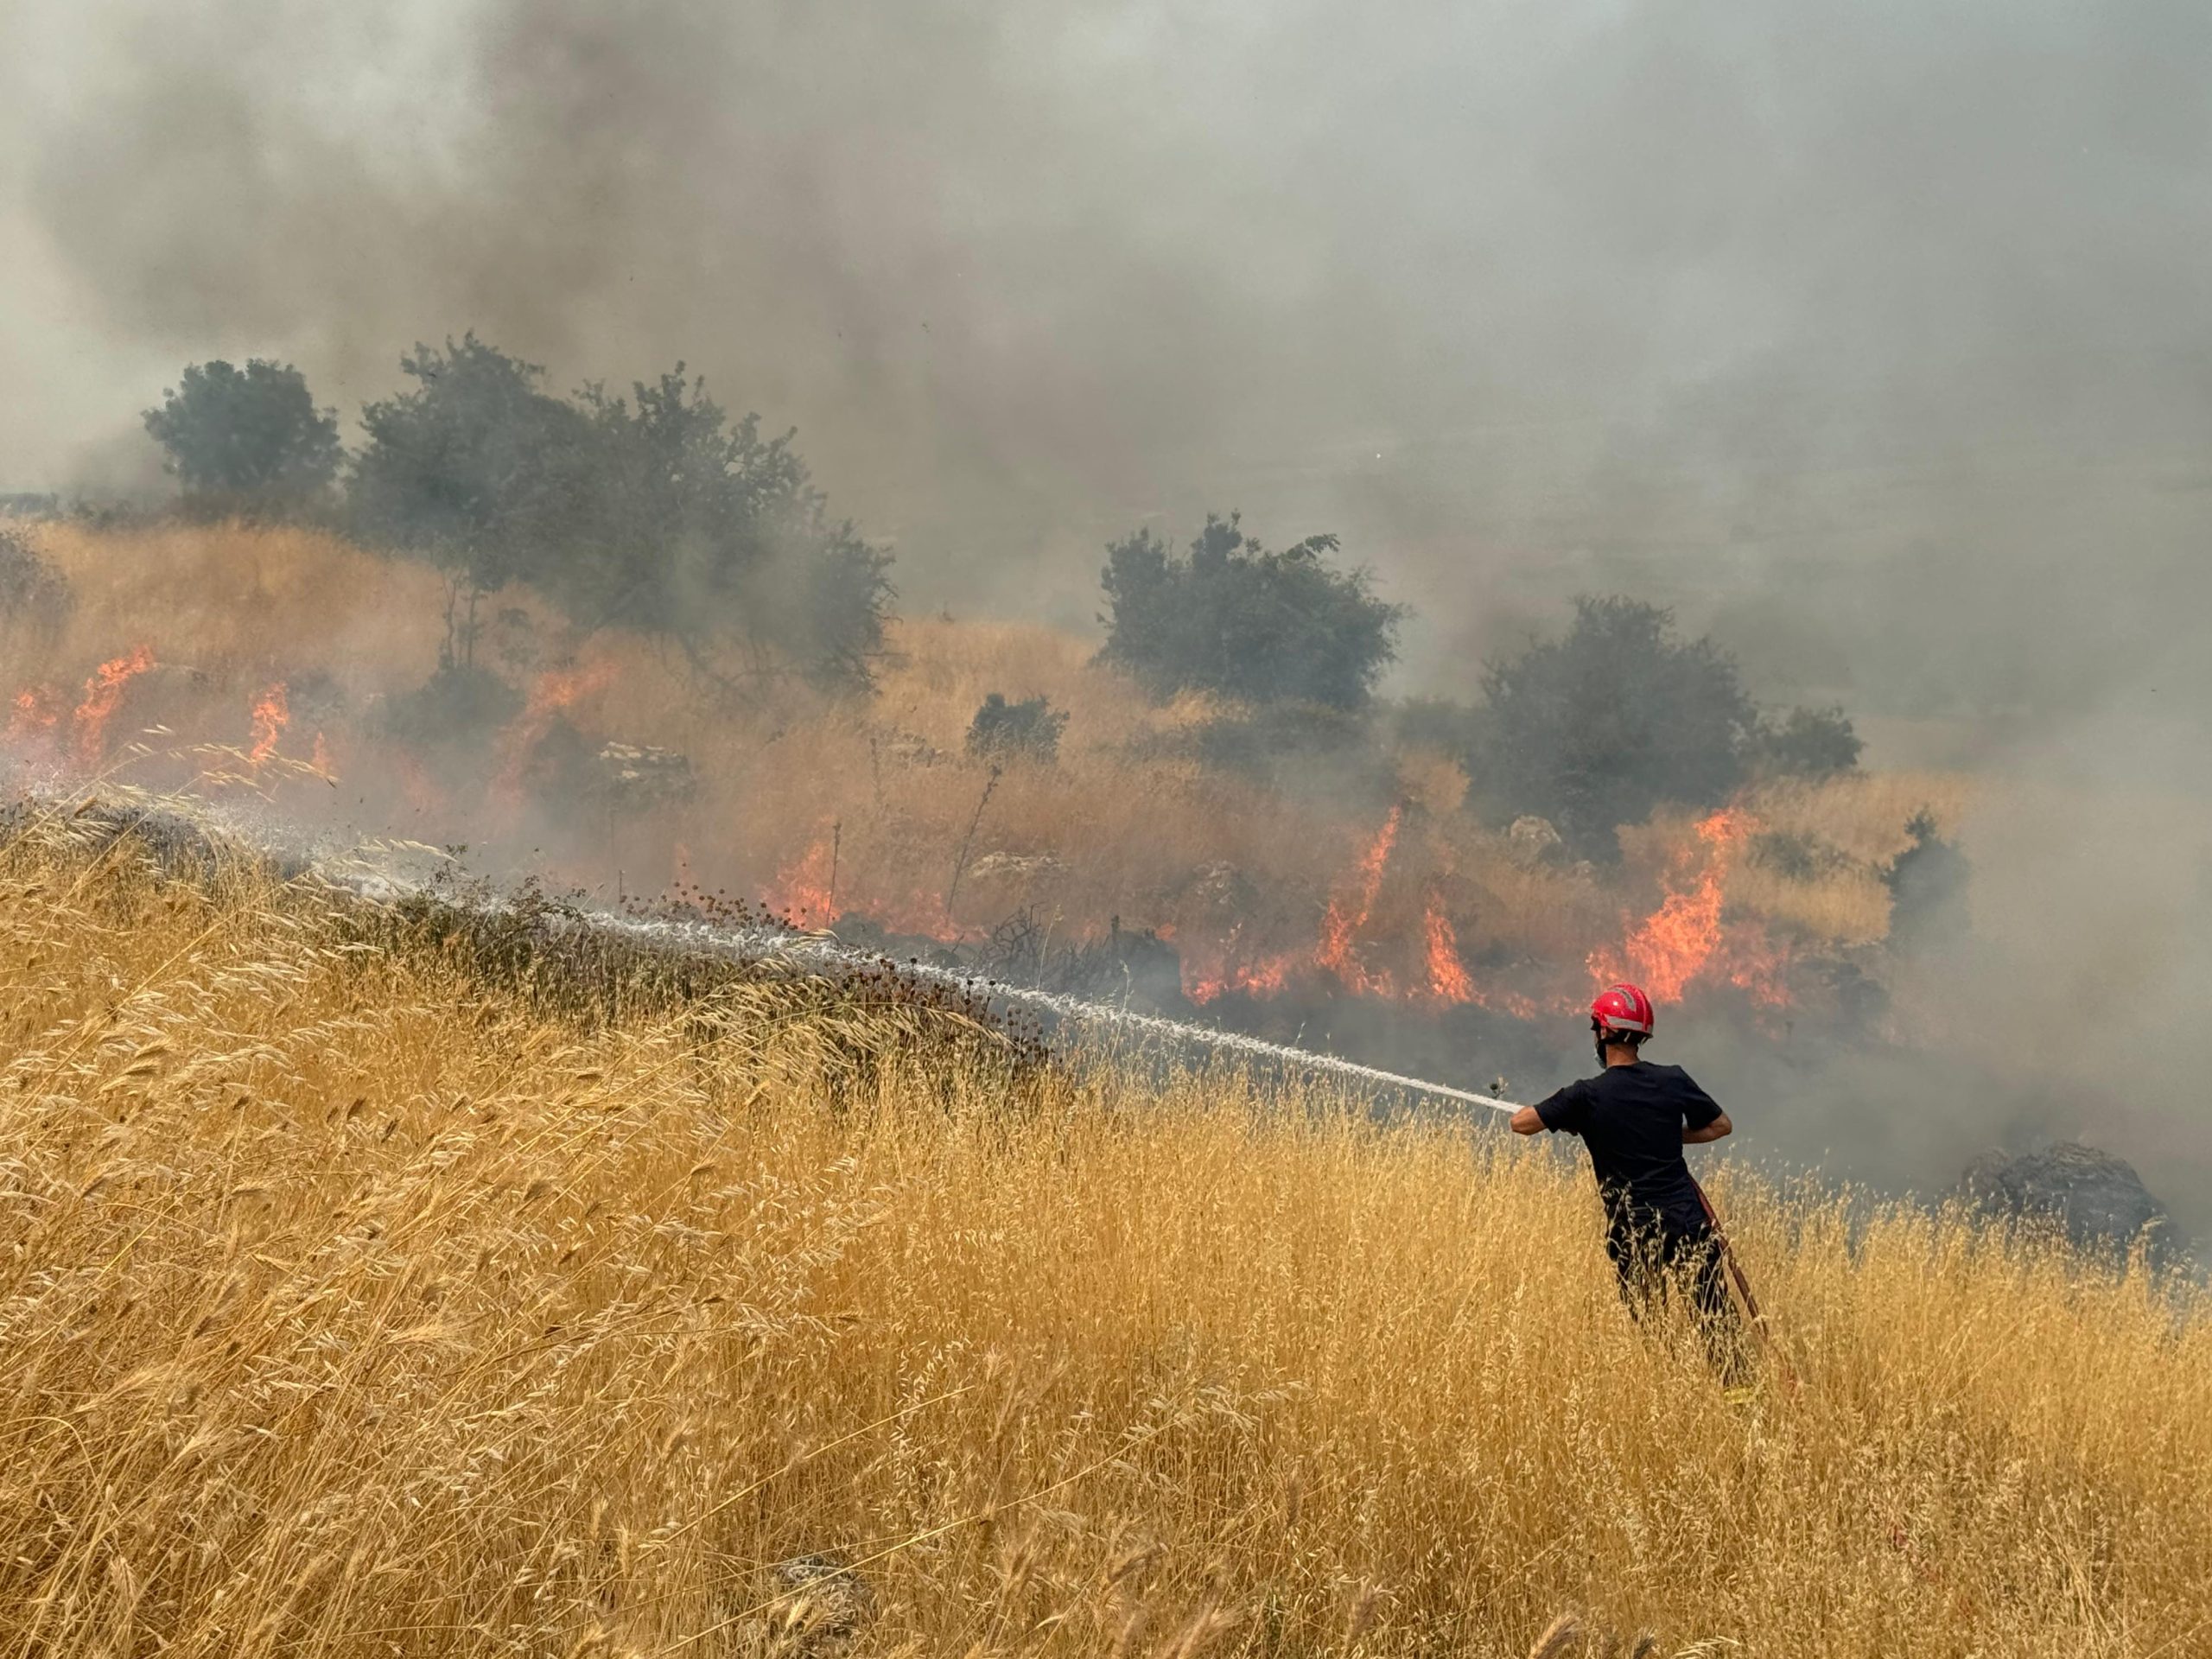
(35, 713)
(1341, 924)
(320, 760)
(103, 695)
(1684, 941)
(803, 892)
(1449, 979)
(551, 694)
(272, 712)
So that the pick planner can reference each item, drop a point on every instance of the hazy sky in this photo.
(1901, 305)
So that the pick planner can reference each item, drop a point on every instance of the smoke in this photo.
(1874, 337)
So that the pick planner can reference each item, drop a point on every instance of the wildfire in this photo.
(805, 890)
(272, 712)
(1448, 981)
(103, 695)
(552, 694)
(1341, 924)
(35, 713)
(1684, 940)
(320, 760)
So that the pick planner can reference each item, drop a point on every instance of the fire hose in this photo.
(380, 882)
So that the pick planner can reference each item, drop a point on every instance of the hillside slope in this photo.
(365, 1298)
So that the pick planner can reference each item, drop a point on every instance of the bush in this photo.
(1927, 888)
(1236, 619)
(1595, 729)
(458, 704)
(1810, 743)
(34, 597)
(247, 440)
(1001, 730)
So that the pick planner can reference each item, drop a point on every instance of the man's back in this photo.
(1632, 1117)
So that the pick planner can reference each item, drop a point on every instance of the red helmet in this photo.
(1621, 1008)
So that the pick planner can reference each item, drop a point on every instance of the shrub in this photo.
(1927, 888)
(1595, 729)
(247, 440)
(1003, 730)
(1236, 618)
(459, 703)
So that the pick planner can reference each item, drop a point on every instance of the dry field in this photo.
(1126, 825)
(352, 1305)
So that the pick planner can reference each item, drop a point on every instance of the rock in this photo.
(1532, 840)
(1019, 869)
(2099, 1199)
(634, 776)
(821, 1607)
(1220, 893)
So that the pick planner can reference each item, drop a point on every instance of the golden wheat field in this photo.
(356, 1301)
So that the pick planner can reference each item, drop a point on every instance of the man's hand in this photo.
(1712, 1131)
(1525, 1121)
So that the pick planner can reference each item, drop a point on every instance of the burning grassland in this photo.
(361, 1299)
(216, 657)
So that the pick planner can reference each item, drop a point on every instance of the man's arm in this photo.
(1712, 1131)
(1526, 1121)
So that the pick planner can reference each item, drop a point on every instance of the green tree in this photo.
(695, 527)
(1809, 743)
(247, 440)
(1235, 618)
(1594, 729)
(475, 469)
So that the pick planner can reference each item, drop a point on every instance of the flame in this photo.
(103, 695)
(1449, 979)
(1684, 940)
(551, 694)
(272, 712)
(35, 713)
(803, 893)
(1261, 977)
(320, 760)
(1342, 922)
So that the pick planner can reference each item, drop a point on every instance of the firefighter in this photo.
(1635, 1117)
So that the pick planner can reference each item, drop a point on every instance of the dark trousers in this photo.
(1657, 1263)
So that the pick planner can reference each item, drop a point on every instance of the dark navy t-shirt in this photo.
(1632, 1117)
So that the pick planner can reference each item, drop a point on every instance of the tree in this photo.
(1235, 618)
(1810, 743)
(475, 469)
(247, 440)
(657, 513)
(690, 525)
(1595, 729)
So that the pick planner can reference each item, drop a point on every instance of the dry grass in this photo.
(351, 1309)
(1121, 828)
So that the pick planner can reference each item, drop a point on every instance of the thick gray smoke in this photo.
(1875, 337)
